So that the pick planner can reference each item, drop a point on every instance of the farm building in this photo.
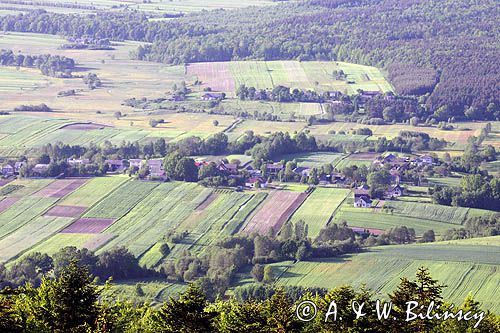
(115, 165)
(135, 162)
(212, 96)
(395, 191)
(8, 170)
(362, 201)
(78, 161)
(156, 168)
(40, 169)
(252, 182)
(424, 160)
(302, 171)
(362, 198)
(273, 168)
(228, 167)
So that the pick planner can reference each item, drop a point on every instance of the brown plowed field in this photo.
(275, 212)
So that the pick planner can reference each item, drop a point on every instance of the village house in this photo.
(115, 165)
(77, 161)
(156, 168)
(212, 96)
(253, 181)
(362, 199)
(334, 94)
(8, 170)
(424, 160)
(18, 166)
(40, 169)
(228, 167)
(395, 191)
(302, 171)
(273, 169)
(135, 162)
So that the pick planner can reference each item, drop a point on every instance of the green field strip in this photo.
(124, 198)
(22, 212)
(432, 212)
(371, 218)
(93, 191)
(319, 207)
(34, 232)
(148, 222)
(53, 244)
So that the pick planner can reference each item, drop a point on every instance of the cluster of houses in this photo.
(396, 165)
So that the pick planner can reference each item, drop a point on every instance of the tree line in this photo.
(50, 65)
(73, 303)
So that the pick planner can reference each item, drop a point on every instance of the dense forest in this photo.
(421, 42)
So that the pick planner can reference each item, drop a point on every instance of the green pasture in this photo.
(313, 160)
(454, 215)
(463, 268)
(319, 208)
(373, 218)
(58, 241)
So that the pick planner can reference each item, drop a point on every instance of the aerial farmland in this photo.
(160, 149)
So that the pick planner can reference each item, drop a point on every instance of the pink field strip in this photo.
(216, 75)
(88, 226)
(66, 211)
(7, 202)
(275, 212)
(5, 181)
(60, 188)
(375, 232)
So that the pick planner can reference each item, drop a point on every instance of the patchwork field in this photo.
(314, 75)
(462, 267)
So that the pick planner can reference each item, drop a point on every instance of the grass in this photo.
(313, 160)
(155, 291)
(264, 128)
(30, 234)
(58, 241)
(375, 219)
(319, 208)
(463, 267)
(454, 215)
(445, 181)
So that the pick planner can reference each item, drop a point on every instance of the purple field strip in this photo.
(5, 181)
(60, 188)
(88, 226)
(7, 202)
(66, 211)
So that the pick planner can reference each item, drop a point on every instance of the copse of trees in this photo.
(50, 65)
(279, 94)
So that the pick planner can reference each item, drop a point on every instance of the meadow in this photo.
(313, 160)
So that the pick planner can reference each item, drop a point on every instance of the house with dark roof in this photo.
(253, 181)
(211, 96)
(274, 168)
(156, 168)
(8, 170)
(395, 191)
